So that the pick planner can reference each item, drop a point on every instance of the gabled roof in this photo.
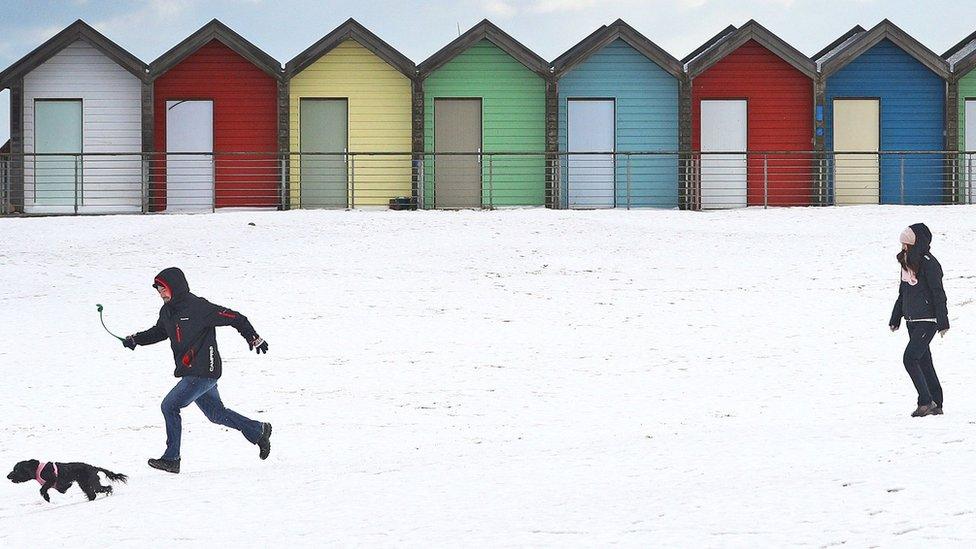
(708, 44)
(962, 56)
(862, 42)
(79, 30)
(604, 36)
(832, 47)
(351, 30)
(214, 30)
(485, 30)
(750, 31)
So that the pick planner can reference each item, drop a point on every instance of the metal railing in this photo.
(94, 183)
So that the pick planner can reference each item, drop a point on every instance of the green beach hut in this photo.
(484, 93)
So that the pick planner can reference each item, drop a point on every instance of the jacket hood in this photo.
(923, 241)
(174, 279)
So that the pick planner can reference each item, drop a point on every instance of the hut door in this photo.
(189, 177)
(57, 129)
(970, 145)
(723, 176)
(856, 128)
(457, 128)
(324, 128)
(591, 176)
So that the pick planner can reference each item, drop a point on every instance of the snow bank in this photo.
(536, 377)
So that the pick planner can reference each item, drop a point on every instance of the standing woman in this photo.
(922, 301)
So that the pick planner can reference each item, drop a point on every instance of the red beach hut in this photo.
(215, 112)
(751, 91)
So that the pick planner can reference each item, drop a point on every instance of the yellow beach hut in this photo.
(350, 98)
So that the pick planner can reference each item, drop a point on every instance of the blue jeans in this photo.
(203, 391)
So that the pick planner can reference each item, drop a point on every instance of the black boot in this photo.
(264, 443)
(168, 465)
(938, 410)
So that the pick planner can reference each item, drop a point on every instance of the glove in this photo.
(257, 344)
(129, 343)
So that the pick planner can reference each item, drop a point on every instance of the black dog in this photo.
(60, 476)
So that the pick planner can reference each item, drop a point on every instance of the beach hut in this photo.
(5, 205)
(76, 125)
(884, 92)
(961, 113)
(350, 92)
(215, 116)
(751, 91)
(618, 93)
(484, 93)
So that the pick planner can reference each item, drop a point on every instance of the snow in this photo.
(529, 377)
(961, 54)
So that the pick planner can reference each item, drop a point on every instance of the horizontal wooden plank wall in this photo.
(111, 103)
(912, 115)
(513, 120)
(646, 119)
(380, 119)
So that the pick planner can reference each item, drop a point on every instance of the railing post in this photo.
(628, 181)
(969, 179)
(421, 202)
(76, 184)
(213, 183)
(765, 182)
(352, 181)
(901, 178)
(491, 183)
(144, 188)
(282, 178)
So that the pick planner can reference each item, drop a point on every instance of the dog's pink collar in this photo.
(40, 467)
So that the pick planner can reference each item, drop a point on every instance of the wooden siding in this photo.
(112, 123)
(912, 117)
(966, 86)
(646, 120)
(245, 121)
(780, 118)
(513, 120)
(379, 99)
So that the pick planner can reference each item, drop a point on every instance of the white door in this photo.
(970, 146)
(591, 176)
(189, 177)
(723, 176)
(857, 125)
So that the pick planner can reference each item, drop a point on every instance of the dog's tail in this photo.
(113, 476)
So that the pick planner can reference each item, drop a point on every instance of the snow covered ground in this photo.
(542, 378)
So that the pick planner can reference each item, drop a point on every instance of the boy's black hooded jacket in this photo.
(189, 321)
(927, 299)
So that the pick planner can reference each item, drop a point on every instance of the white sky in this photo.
(283, 28)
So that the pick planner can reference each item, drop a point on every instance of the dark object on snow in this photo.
(402, 203)
(925, 410)
(918, 363)
(925, 299)
(61, 476)
(264, 443)
(189, 322)
(168, 465)
(251, 224)
(922, 302)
